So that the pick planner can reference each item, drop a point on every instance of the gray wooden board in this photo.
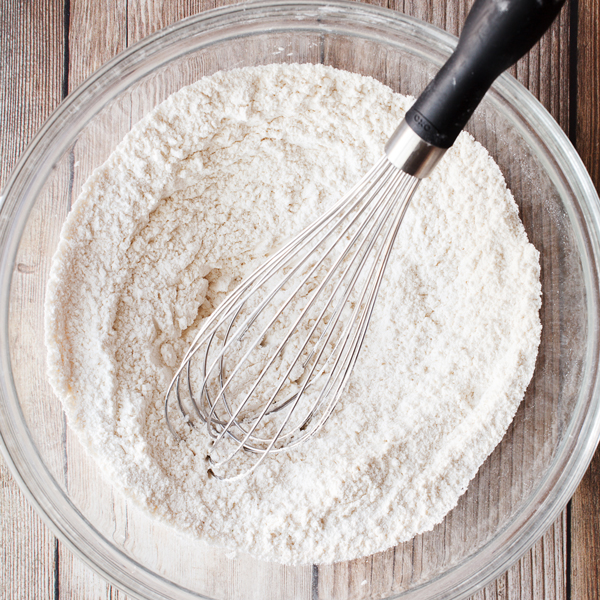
(33, 75)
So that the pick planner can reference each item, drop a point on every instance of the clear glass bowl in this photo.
(520, 489)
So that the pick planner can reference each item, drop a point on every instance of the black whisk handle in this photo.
(495, 35)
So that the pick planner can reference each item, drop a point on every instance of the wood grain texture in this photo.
(588, 86)
(31, 84)
(146, 17)
(585, 505)
(95, 36)
(31, 72)
(33, 77)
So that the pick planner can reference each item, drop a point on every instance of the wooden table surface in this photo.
(49, 47)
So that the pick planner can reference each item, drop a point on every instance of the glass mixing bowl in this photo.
(523, 485)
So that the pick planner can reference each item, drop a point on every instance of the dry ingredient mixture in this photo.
(201, 190)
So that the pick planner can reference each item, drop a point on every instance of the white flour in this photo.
(208, 184)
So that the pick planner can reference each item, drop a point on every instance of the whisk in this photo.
(267, 368)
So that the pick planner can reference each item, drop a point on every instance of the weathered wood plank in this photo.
(31, 80)
(97, 33)
(147, 16)
(588, 86)
(31, 73)
(585, 505)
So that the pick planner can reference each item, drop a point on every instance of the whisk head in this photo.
(266, 369)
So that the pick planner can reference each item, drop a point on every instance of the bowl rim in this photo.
(35, 165)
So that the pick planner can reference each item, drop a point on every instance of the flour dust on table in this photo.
(198, 194)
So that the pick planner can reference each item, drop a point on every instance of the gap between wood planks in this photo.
(583, 515)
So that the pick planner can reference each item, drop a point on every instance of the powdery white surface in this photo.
(200, 190)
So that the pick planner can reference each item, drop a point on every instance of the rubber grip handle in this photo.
(495, 35)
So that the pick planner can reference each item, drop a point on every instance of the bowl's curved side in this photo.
(60, 132)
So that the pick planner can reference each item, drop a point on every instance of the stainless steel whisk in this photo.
(267, 368)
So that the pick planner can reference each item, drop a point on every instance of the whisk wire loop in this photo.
(347, 359)
(254, 282)
(366, 245)
(291, 329)
(267, 269)
(289, 362)
(302, 359)
(357, 342)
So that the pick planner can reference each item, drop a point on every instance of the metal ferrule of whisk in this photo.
(266, 370)
(410, 153)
